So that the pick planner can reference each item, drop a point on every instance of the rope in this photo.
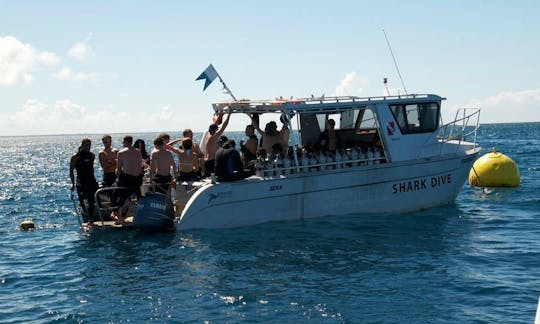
(479, 181)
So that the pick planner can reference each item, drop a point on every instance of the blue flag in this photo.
(208, 76)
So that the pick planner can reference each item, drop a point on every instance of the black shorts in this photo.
(108, 179)
(209, 167)
(187, 176)
(132, 183)
(162, 183)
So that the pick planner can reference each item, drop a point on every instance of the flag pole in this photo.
(225, 87)
(209, 75)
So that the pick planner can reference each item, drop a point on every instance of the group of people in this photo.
(122, 168)
(217, 155)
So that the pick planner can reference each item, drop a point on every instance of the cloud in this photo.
(68, 75)
(351, 85)
(67, 117)
(18, 61)
(510, 106)
(81, 51)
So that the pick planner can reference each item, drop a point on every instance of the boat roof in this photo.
(317, 104)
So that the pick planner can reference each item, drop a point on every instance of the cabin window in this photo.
(416, 118)
(348, 118)
(366, 120)
(348, 123)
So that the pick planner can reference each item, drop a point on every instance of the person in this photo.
(211, 144)
(195, 148)
(161, 163)
(128, 169)
(273, 142)
(107, 160)
(329, 141)
(217, 118)
(188, 162)
(188, 134)
(167, 144)
(86, 184)
(249, 148)
(141, 146)
(229, 166)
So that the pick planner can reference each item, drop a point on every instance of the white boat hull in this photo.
(379, 188)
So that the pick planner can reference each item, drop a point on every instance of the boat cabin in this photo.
(374, 129)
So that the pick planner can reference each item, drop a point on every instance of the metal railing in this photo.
(314, 163)
(464, 128)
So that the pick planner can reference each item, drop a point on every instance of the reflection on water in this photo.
(272, 266)
(475, 261)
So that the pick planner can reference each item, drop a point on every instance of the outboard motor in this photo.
(155, 212)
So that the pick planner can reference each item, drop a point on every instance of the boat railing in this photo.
(464, 128)
(279, 104)
(106, 199)
(314, 163)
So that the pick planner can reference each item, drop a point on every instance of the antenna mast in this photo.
(395, 62)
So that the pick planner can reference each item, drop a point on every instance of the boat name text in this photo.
(276, 187)
(421, 184)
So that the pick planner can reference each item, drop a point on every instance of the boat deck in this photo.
(109, 225)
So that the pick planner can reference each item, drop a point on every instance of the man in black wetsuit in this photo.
(83, 162)
(229, 166)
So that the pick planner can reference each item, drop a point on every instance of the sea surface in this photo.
(475, 261)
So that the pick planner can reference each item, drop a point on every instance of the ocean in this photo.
(475, 261)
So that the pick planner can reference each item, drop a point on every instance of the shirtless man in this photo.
(167, 144)
(188, 133)
(128, 168)
(273, 141)
(161, 163)
(107, 159)
(211, 144)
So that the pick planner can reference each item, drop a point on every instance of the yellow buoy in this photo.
(494, 169)
(27, 224)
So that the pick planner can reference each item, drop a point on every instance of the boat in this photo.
(397, 157)
(152, 212)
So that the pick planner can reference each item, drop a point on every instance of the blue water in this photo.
(477, 261)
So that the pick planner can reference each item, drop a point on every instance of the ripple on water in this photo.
(475, 261)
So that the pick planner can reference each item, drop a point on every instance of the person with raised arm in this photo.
(273, 141)
(211, 145)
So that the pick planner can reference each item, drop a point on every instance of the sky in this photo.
(93, 67)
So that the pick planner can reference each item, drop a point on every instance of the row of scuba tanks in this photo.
(280, 164)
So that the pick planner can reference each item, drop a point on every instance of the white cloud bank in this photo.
(354, 85)
(67, 117)
(81, 51)
(504, 107)
(18, 61)
(351, 85)
(68, 75)
(509, 106)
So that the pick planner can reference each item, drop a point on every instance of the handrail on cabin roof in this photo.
(312, 103)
